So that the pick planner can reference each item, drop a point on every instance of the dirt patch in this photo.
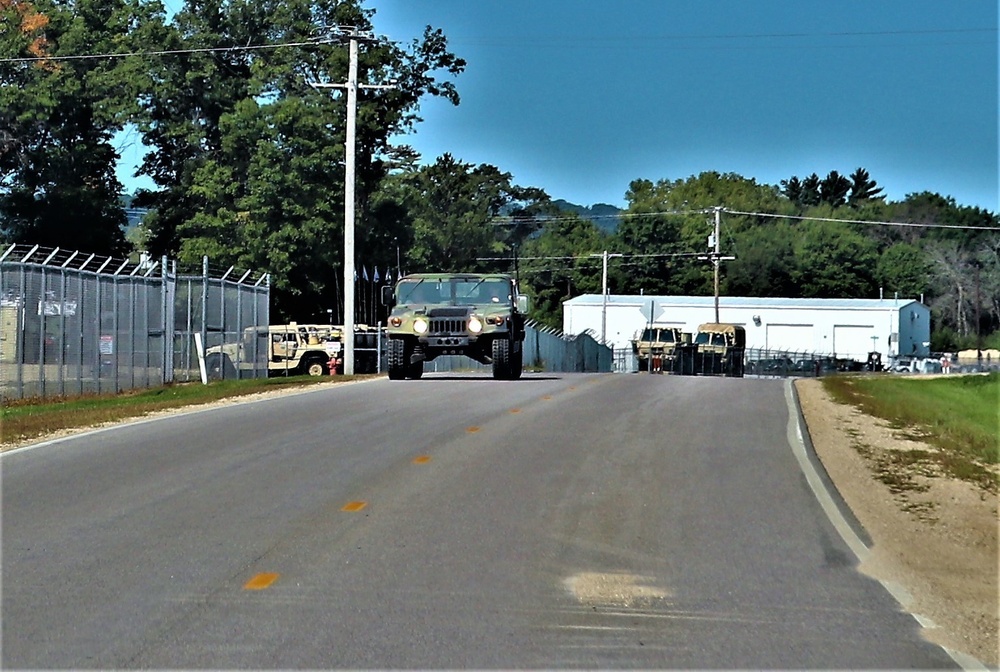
(934, 536)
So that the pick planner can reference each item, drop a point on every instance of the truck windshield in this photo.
(658, 335)
(708, 338)
(453, 291)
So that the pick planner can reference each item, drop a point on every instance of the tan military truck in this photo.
(290, 349)
(478, 315)
(721, 349)
(654, 347)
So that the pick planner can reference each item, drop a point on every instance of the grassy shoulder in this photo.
(959, 416)
(27, 419)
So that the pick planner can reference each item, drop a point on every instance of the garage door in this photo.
(853, 340)
(789, 337)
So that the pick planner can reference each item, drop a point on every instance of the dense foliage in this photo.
(247, 159)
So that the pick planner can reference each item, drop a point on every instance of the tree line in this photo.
(246, 158)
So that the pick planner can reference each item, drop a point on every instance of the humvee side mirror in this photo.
(522, 303)
(388, 296)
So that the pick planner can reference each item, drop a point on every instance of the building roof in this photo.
(740, 302)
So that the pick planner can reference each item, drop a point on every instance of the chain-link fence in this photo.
(688, 360)
(74, 323)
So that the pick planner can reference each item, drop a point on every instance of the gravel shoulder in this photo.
(937, 540)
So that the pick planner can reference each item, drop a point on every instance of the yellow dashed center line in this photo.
(515, 410)
(354, 506)
(472, 430)
(261, 581)
(547, 397)
(421, 459)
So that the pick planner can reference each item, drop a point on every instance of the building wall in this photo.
(852, 331)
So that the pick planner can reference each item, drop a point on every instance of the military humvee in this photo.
(721, 348)
(289, 349)
(657, 341)
(479, 315)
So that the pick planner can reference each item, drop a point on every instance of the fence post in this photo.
(166, 325)
(204, 307)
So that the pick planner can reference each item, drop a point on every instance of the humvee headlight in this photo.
(420, 325)
(475, 326)
(395, 321)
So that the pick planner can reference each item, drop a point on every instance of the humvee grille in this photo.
(446, 326)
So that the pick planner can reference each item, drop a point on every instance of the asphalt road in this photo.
(563, 520)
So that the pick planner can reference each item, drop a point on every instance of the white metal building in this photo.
(843, 327)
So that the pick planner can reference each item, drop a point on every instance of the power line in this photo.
(863, 221)
(518, 40)
(665, 213)
(632, 40)
(165, 52)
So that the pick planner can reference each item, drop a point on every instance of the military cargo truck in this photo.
(478, 315)
(657, 343)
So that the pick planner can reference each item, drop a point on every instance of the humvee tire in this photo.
(501, 358)
(516, 363)
(397, 362)
(314, 367)
(415, 370)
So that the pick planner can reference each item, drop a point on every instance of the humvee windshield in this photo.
(453, 291)
(658, 335)
(708, 338)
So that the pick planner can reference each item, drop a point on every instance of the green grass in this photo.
(26, 419)
(958, 415)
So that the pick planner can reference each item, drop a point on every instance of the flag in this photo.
(364, 273)
(388, 276)
(375, 277)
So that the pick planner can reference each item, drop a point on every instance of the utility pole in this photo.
(604, 295)
(352, 112)
(715, 255)
(715, 258)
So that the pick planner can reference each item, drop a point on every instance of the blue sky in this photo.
(582, 97)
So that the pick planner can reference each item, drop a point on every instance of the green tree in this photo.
(863, 188)
(834, 189)
(669, 222)
(764, 264)
(558, 264)
(58, 117)
(811, 191)
(834, 262)
(904, 270)
(247, 156)
(462, 213)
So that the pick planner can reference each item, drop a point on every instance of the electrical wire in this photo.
(165, 52)
(516, 40)
(863, 221)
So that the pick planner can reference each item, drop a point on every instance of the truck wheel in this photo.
(396, 359)
(415, 370)
(315, 367)
(517, 364)
(501, 358)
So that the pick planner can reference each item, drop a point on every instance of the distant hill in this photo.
(603, 215)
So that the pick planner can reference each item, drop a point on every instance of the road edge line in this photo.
(799, 440)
